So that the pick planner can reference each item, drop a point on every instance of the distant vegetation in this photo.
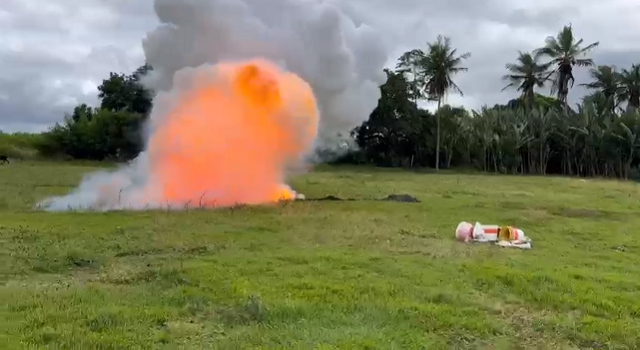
(112, 131)
(20, 145)
(533, 134)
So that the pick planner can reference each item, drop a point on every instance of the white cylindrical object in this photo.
(483, 233)
(490, 232)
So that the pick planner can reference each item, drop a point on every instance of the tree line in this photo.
(113, 131)
(532, 134)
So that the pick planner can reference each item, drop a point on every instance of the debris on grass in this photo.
(401, 198)
(504, 236)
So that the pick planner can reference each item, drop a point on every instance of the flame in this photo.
(231, 135)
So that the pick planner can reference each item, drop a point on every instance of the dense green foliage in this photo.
(96, 134)
(592, 141)
(533, 134)
(113, 131)
(124, 92)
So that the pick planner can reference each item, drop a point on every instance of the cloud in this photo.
(55, 53)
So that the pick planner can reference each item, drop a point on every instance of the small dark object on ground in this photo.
(4, 159)
(403, 198)
(331, 198)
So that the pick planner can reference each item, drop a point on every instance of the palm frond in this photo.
(589, 47)
(455, 88)
(439, 65)
(509, 86)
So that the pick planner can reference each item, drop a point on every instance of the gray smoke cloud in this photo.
(323, 42)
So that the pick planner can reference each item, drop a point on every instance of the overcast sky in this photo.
(53, 53)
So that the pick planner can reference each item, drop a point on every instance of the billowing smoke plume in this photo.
(226, 121)
(311, 38)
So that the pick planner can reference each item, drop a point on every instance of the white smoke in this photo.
(104, 191)
(341, 58)
(321, 41)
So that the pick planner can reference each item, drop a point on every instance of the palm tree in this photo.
(526, 75)
(601, 102)
(630, 86)
(606, 82)
(437, 70)
(565, 52)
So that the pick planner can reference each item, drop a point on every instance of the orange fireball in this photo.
(231, 135)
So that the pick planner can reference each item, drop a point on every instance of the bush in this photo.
(95, 135)
(20, 145)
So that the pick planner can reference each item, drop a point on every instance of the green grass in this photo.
(324, 275)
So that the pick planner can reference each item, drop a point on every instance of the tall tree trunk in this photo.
(438, 134)
(484, 159)
(520, 167)
(541, 172)
(563, 90)
(415, 85)
(529, 159)
(621, 172)
(627, 168)
(529, 100)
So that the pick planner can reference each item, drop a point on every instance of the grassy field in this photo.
(324, 275)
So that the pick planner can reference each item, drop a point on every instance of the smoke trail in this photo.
(211, 72)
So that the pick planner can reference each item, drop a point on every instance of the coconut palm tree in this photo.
(630, 85)
(565, 52)
(438, 67)
(605, 81)
(526, 75)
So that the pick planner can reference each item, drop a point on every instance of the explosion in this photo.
(224, 136)
(232, 136)
(245, 90)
